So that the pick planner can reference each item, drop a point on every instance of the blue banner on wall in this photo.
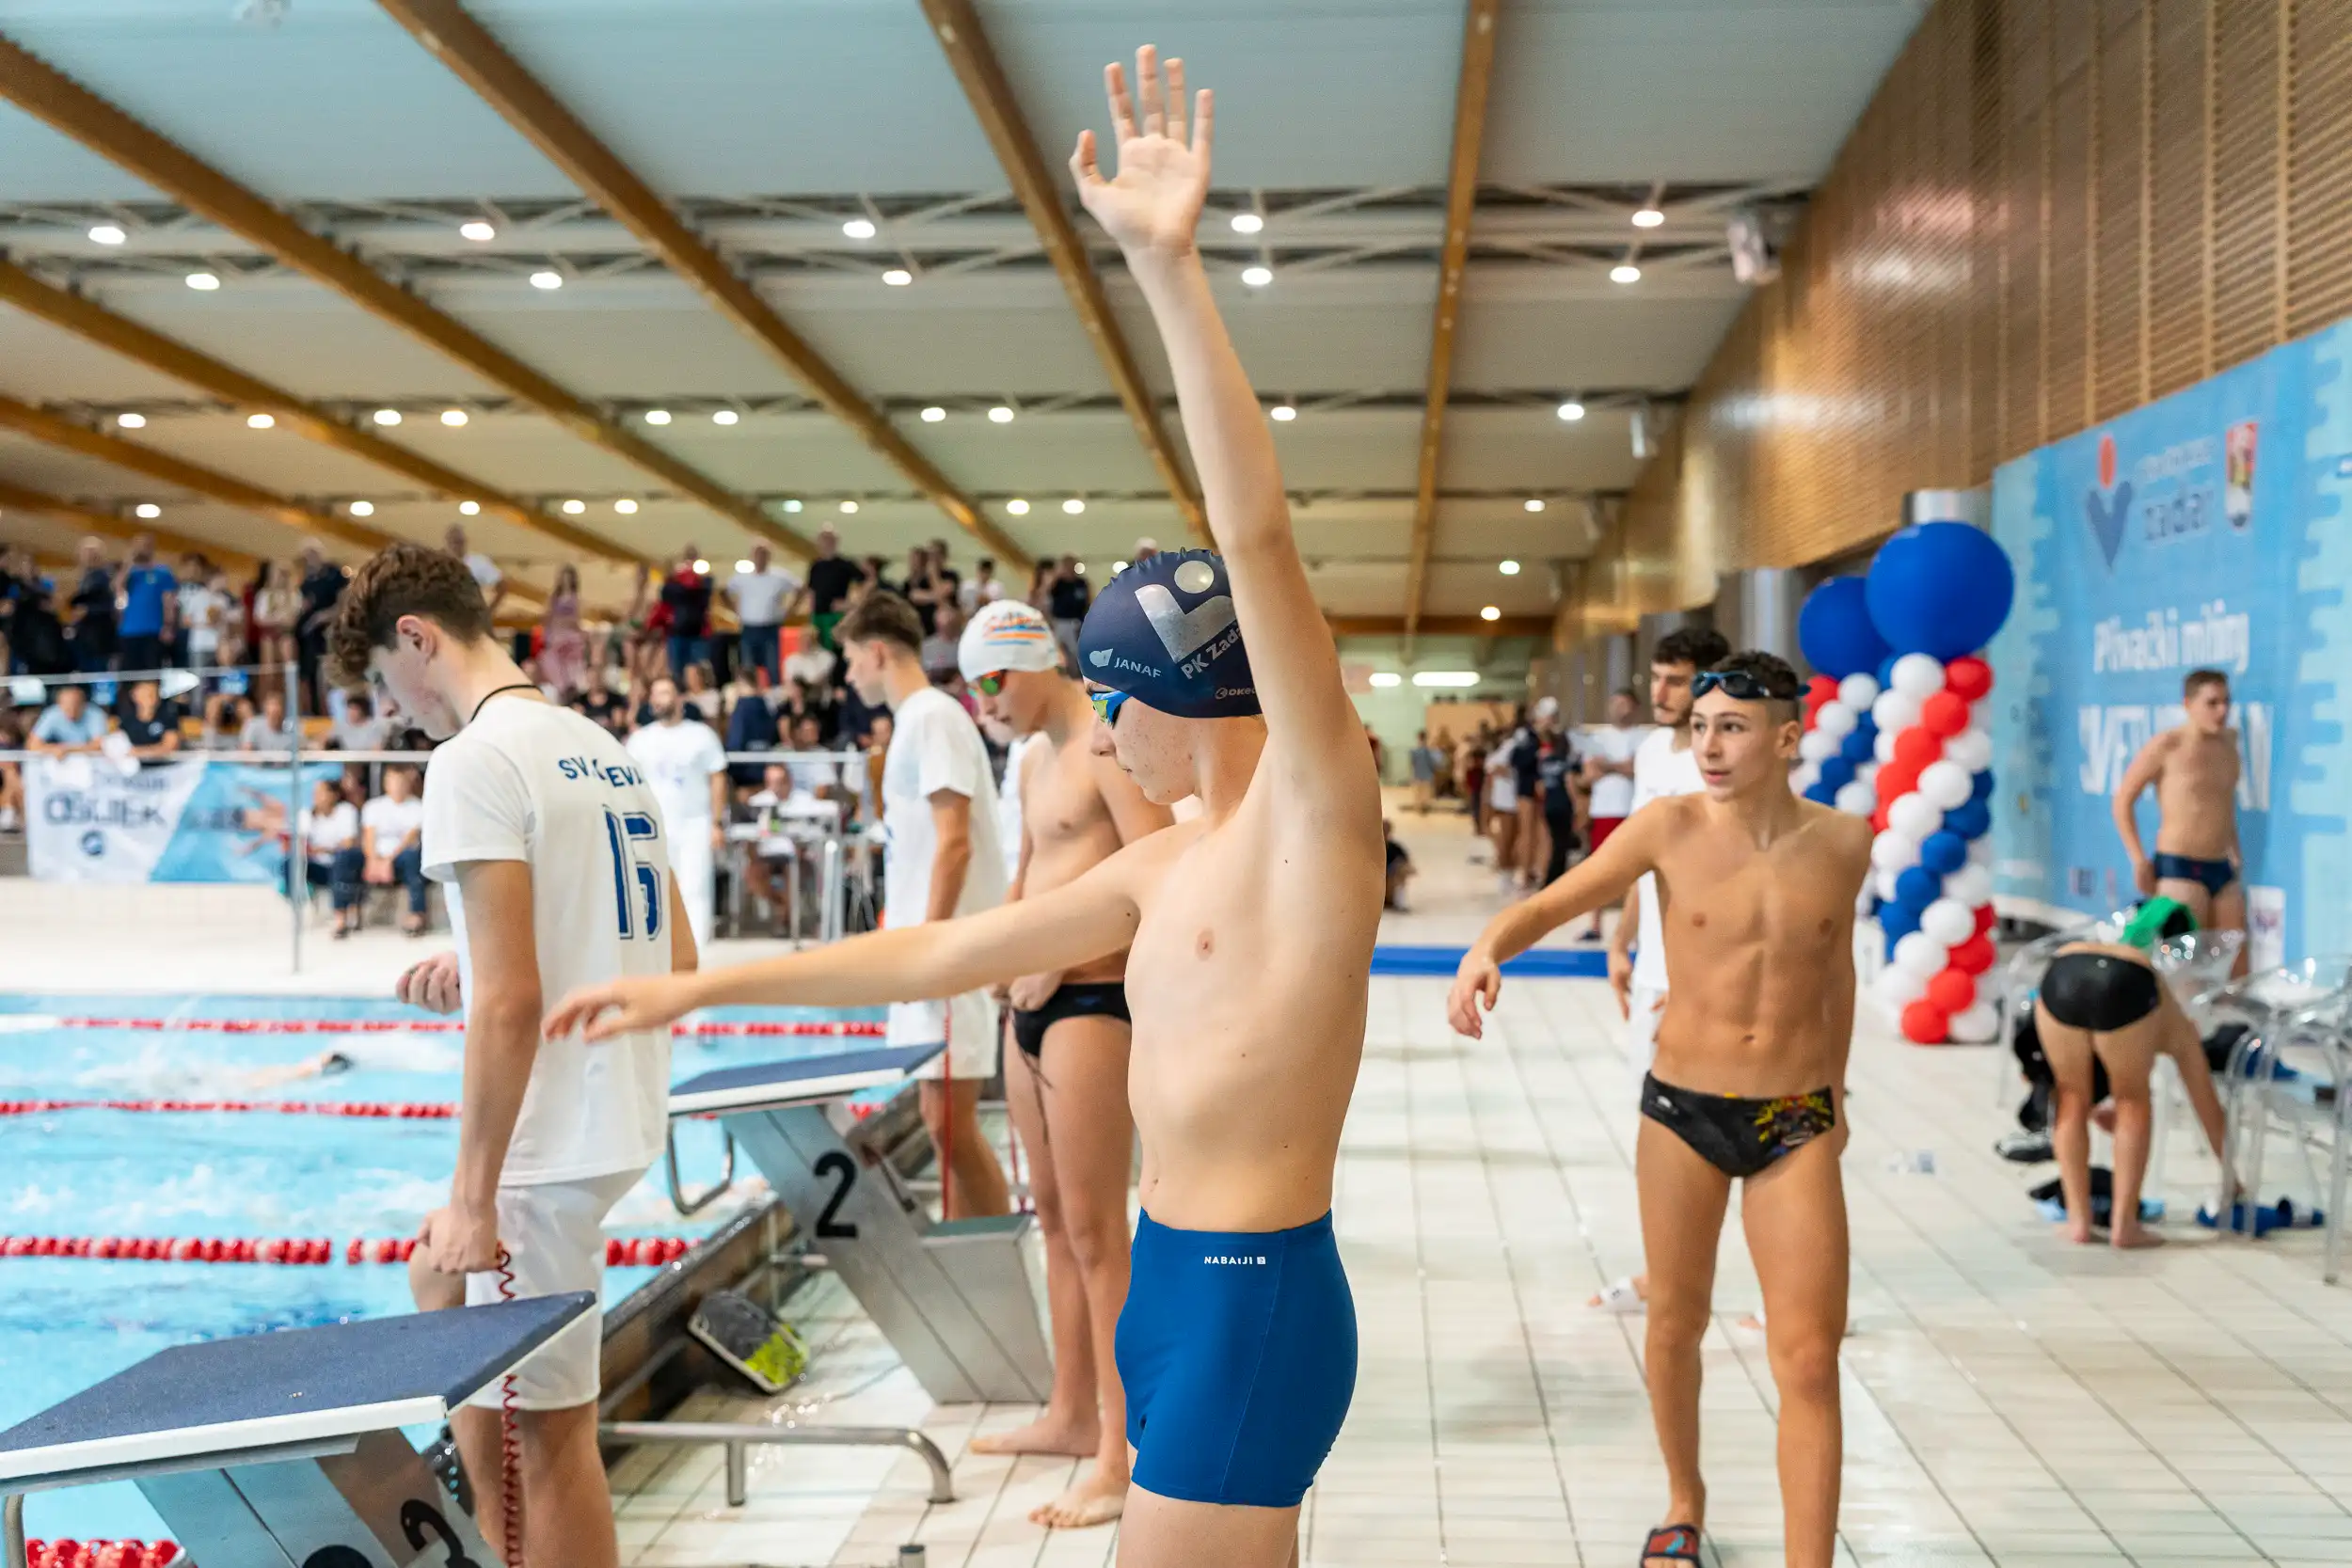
(2207, 531)
(88, 820)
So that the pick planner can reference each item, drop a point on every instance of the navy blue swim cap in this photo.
(1163, 632)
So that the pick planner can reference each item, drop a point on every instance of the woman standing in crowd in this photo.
(277, 605)
(563, 645)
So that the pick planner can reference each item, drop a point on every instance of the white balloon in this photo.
(1896, 988)
(1972, 748)
(1945, 786)
(1918, 676)
(1884, 881)
(1857, 798)
(1977, 1024)
(1923, 956)
(1914, 815)
(1804, 776)
(1947, 920)
(1895, 712)
(1867, 772)
(1835, 719)
(1893, 851)
(1858, 691)
(1882, 749)
(1817, 745)
(1980, 851)
(1971, 887)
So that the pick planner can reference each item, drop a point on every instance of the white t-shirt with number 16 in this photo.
(528, 781)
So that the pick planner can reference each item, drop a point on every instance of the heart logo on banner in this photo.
(2106, 517)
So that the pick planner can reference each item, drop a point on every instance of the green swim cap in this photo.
(2158, 920)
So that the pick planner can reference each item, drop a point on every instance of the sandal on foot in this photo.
(1618, 1296)
(1673, 1544)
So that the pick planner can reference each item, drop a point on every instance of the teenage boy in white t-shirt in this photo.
(553, 848)
(687, 767)
(764, 598)
(939, 815)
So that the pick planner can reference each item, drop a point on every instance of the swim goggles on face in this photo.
(1742, 686)
(988, 686)
(1108, 703)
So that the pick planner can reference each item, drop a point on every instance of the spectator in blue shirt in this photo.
(149, 609)
(68, 725)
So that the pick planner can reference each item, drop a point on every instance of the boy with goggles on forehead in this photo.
(1755, 893)
(1249, 930)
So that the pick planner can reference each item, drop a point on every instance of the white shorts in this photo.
(554, 1232)
(697, 885)
(966, 1022)
(1646, 1007)
(1503, 794)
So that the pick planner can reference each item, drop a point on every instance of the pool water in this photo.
(65, 1323)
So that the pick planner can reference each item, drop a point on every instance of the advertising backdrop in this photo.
(87, 820)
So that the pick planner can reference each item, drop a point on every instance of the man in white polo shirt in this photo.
(764, 599)
(687, 767)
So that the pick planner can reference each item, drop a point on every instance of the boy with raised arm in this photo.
(1249, 930)
(1756, 893)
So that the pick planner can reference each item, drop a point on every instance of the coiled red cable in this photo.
(510, 1444)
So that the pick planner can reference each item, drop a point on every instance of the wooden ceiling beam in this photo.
(956, 26)
(450, 32)
(144, 345)
(1440, 625)
(24, 498)
(1470, 131)
(55, 431)
(66, 107)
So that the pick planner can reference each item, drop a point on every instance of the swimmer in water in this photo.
(1066, 1080)
(326, 1064)
(1249, 930)
(1755, 893)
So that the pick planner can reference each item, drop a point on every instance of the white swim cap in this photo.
(1007, 635)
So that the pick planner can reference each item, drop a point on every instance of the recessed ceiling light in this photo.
(725, 415)
(625, 507)
(1018, 507)
(1534, 503)
(743, 566)
(848, 509)
(477, 231)
(468, 509)
(933, 413)
(1385, 678)
(363, 509)
(701, 565)
(897, 277)
(1082, 568)
(1648, 218)
(1001, 414)
(149, 510)
(792, 506)
(1073, 506)
(387, 416)
(1490, 613)
(131, 421)
(106, 234)
(452, 416)
(1118, 566)
(1625, 272)
(1508, 568)
(859, 228)
(1248, 223)
(260, 421)
(1282, 413)
(1446, 677)
(203, 283)
(574, 508)
(1571, 411)
(657, 416)
(1257, 278)
(547, 278)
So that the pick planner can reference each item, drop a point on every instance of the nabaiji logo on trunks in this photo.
(1237, 1261)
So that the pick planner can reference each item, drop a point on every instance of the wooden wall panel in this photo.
(2051, 211)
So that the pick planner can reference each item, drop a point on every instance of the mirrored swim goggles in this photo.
(1742, 686)
(1106, 704)
(988, 686)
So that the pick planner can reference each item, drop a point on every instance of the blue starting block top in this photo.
(798, 1081)
(226, 1399)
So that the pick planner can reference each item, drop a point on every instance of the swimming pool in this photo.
(66, 1323)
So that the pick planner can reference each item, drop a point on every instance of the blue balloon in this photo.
(1860, 745)
(1836, 773)
(1821, 793)
(1981, 787)
(1918, 887)
(1939, 588)
(1898, 923)
(1886, 671)
(1943, 853)
(1971, 820)
(1835, 629)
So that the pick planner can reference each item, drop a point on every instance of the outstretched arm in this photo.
(1151, 207)
(1603, 877)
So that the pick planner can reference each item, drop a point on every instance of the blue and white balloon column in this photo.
(1934, 596)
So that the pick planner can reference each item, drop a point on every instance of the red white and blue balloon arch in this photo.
(1892, 732)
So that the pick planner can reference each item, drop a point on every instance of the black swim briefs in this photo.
(1104, 999)
(2099, 991)
(1739, 1137)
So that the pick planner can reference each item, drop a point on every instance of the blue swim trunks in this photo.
(1238, 1351)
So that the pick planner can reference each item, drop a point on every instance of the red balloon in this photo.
(1985, 919)
(1915, 747)
(1953, 991)
(1975, 956)
(1895, 780)
(1878, 820)
(1968, 678)
(1944, 714)
(1821, 688)
(1924, 1024)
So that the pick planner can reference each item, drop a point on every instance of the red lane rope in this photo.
(714, 1028)
(395, 1109)
(100, 1554)
(299, 1251)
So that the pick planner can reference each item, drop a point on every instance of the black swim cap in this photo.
(1165, 633)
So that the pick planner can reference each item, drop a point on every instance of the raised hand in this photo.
(1153, 203)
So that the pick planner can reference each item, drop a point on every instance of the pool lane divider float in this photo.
(716, 1028)
(390, 1110)
(100, 1554)
(299, 1251)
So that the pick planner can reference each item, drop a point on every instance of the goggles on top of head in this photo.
(1744, 686)
(988, 686)
(1108, 703)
